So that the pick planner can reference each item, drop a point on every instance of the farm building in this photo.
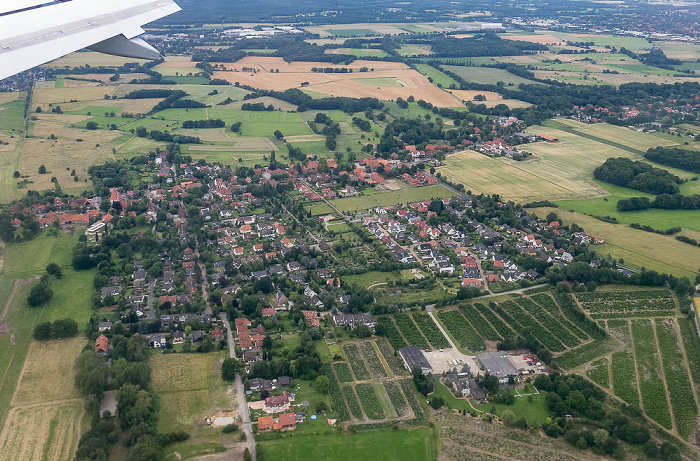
(413, 357)
(497, 364)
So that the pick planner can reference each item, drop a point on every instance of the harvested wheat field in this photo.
(468, 95)
(206, 134)
(393, 80)
(44, 432)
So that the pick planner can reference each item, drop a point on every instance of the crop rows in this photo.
(479, 323)
(352, 402)
(599, 372)
(460, 330)
(372, 359)
(582, 354)
(501, 327)
(339, 407)
(691, 341)
(627, 303)
(395, 365)
(356, 362)
(407, 387)
(343, 372)
(370, 401)
(396, 397)
(551, 323)
(546, 301)
(410, 331)
(430, 330)
(650, 382)
(629, 314)
(624, 377)
(577, 316)
(531, 325)
(392, 334)
(685, 410)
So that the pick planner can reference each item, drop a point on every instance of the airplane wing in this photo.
(33, 32)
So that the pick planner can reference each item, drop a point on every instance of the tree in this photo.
(437, 402)
(134, 405)
(322, 384)
(508, 418)
(278, 134)
(42, 331)
(16, 174)
(581, 443)
(64, 328)
(229, 369)
(91, 125)
(42, 169)
(40, 294)
(90, 374)
(136, 373)
(137, 349)
(246, 455)
(55, 270)
(651, 449)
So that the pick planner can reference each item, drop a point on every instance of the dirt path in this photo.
(2, 256)
(442, 330)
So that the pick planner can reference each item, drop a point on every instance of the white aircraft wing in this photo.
(33, 32)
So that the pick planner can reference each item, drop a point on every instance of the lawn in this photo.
(371, 278)
(414, 194)
(400, 445)
(534, 412)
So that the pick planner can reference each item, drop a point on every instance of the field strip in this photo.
(571, 130)
(662, 373)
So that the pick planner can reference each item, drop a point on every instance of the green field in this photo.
(189, 386)
(400, 445)
(364, 202)
(486, 75)
(12, 116)
(439, 78)
(351, 32)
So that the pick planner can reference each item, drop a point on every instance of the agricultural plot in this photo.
(575, 315)
(375, 365)
(430, 330)
(410, 331)
(551, 323)
(691, 342)
(651, 382)
(359, 368)
(461, 331)
(47, 432)
(599, 372)
(397, 398)
(370, 401)
(680, 391)
(583, 354)
(413, 402)
(487, 75)
(623, 367)
(395, 365)
(530, 324)
(480, 324)
(342, 370)
(391, 332)
(642, 303)
(546, 301)
(499, 325)
(337, 401)
(351, 399)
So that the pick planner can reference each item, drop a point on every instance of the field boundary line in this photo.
(636, 366)
(686, 363)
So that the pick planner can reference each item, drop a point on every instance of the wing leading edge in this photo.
(34, 32)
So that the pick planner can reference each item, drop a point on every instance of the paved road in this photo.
(151, 314)
(246, 426)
